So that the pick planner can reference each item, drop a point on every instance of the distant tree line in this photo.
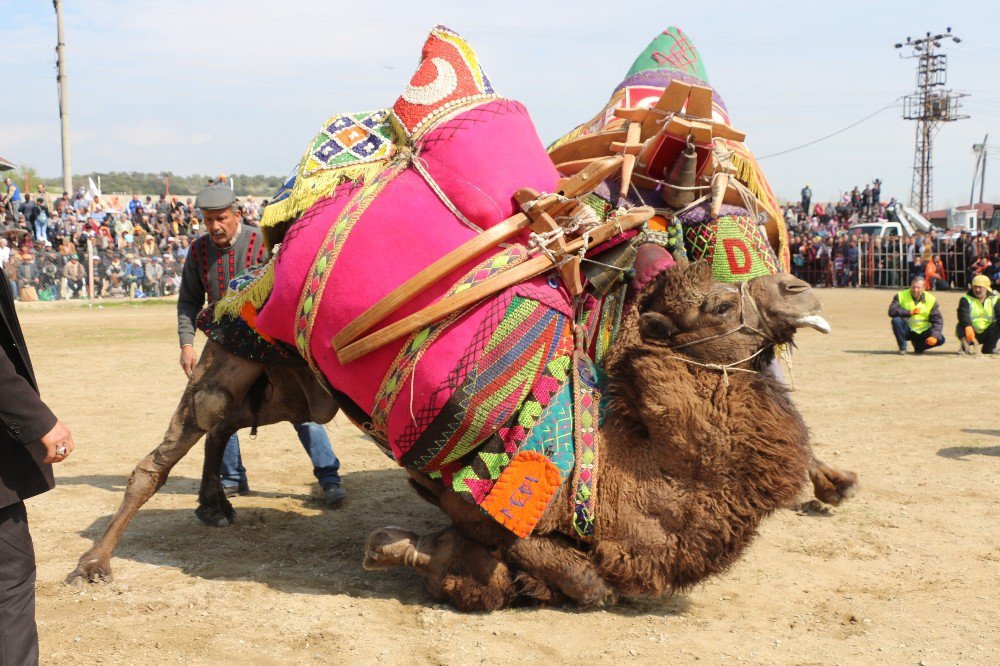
(156, 183)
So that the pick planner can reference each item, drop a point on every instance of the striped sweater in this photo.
(208, 270)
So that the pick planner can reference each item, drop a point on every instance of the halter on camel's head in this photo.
(724, 326)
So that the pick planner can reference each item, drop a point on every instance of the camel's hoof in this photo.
(388, 547)
(90, 570)
(833, 486)
(221, 514)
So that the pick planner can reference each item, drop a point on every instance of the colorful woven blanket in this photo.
(484, 399)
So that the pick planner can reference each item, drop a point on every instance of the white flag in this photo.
(92, 190)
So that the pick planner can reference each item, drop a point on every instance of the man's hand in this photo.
(931, 341)
(914, 311)
(58, 443)
(188, 359)
(970, 335)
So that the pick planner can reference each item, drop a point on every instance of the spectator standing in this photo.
(42, 197)
(935, 275)
(807, 194)
(11, 198)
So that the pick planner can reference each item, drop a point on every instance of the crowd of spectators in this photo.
(135, 247)
(824, 251)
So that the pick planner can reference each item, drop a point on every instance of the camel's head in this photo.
(686, 311)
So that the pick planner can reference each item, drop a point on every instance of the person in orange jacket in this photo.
(934, 274)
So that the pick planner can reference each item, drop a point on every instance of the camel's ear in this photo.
(655, 326)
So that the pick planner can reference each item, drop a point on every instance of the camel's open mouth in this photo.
(814, 321)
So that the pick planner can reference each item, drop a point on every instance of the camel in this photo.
(227, 392)
(699, 445)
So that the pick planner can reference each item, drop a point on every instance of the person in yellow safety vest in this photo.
(979, 317)
(916, 318)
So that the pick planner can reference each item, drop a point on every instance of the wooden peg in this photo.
(720, 183)
(630, 151)
(542, 222)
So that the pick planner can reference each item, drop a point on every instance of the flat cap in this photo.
(215, 197)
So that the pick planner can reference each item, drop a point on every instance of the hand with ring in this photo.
(58, 443)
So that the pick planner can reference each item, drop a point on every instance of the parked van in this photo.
(877, 229)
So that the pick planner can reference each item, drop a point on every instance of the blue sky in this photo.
(240, 86)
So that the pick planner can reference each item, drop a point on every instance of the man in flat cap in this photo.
(228, 249)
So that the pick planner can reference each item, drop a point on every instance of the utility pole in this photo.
(930, 105)
(63, 98)
(982, 153)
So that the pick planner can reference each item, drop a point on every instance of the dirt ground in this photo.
(905, 573)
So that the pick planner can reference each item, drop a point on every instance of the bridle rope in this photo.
(725, 369)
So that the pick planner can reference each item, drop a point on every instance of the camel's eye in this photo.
(723, 309)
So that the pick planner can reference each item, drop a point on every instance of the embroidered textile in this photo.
(732, 243)
(587, 401)
(449, 77)
(237, 335)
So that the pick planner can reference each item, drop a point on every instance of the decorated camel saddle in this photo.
(455, 285)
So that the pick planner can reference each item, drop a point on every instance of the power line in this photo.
(894, 102)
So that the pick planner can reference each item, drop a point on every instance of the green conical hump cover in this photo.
(671, 49)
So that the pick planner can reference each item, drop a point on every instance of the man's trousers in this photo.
(18, 633)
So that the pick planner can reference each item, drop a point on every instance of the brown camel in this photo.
(227, 393)
(699, 445)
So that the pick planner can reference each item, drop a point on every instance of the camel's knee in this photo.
(832, 485)
(145, 480)
(391, 547)
(210, 405)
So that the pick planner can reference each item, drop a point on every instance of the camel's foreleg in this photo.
(219, 380)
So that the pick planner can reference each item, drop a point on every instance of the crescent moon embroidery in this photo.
(443, 85)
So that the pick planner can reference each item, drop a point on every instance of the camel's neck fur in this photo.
(690, 467)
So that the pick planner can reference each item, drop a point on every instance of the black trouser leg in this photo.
(919, 341)
(988, 338)
(18, 633)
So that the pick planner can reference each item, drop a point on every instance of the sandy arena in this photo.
(905, 573)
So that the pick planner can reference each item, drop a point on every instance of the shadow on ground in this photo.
(175, 485)
(296, 547)
(302, 549)
(873, 352)
(978, 431)
(961, 452)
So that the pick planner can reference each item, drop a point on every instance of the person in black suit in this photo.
(31, 439)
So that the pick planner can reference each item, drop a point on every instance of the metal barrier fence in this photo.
(886, 263)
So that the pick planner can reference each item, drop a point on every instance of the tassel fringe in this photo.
(256, 292)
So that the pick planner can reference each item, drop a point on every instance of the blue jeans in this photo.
(41, 228)
(326, 467)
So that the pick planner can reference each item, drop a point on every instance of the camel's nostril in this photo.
(796, 286)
